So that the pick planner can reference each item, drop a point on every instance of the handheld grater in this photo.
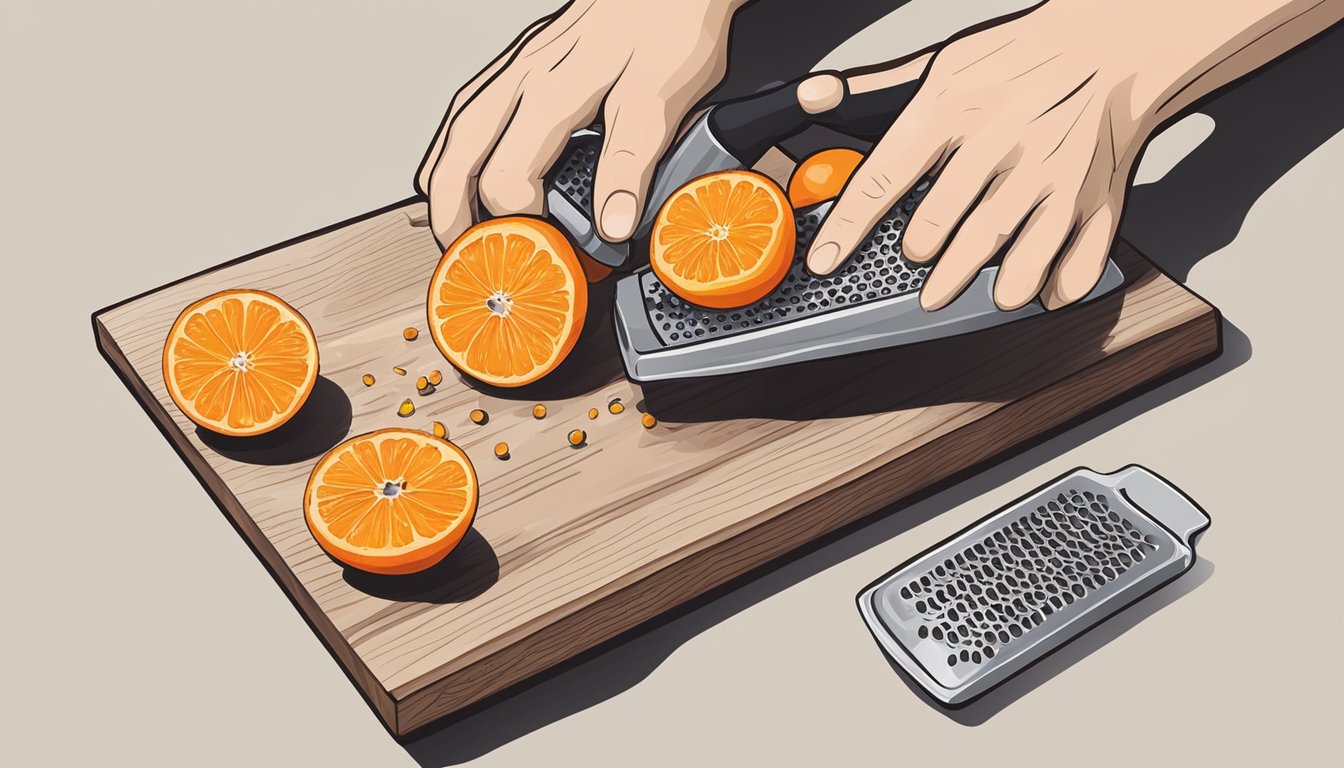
(988, 602)
(871, 302)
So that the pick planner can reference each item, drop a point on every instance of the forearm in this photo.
(1191, 48)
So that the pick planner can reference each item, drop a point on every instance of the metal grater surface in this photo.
(877, 270)
(986, 603)
(573, 176)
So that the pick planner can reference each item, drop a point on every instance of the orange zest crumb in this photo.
(435, 378)
(410, 334)
(406, 408)
(478, 416)
(648, 421)
(577, 437)
(538, 411)
(592, 413)
(616, 406)
(438, 429)
(399, 370)
(367, 379)
(501, 451)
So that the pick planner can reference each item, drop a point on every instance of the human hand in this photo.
(642, 64)
(1033, 128)
(1032, 137)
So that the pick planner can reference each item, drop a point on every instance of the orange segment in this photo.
(507, 301)
(240, 362)
(723, 240)
(394, 501)
(822, 175)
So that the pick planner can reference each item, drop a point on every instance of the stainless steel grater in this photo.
(982, 606)
(872, 302)
(569, 196)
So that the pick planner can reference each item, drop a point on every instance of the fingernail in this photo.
(618, 216)
(824, 258)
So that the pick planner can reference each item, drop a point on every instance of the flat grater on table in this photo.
(982, 606)
(871, 302)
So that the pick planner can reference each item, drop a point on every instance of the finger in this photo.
(986, 230)
(1083, 261)
(958, 187)
(891, 73)
(1027, 262)
(452, 184)
(887, 174)
(639, 130)
(512, 179)
(463, 96)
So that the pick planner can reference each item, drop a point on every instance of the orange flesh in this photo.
(240, 362)
(507, 301)
(394, 501)
(724, 240)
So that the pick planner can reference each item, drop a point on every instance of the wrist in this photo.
(1143, 52)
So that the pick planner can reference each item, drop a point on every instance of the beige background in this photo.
(142, 141)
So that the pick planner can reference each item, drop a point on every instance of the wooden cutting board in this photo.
(572, 547)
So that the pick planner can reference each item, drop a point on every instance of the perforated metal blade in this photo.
(569, 197)
(983, 605)
(870, 303)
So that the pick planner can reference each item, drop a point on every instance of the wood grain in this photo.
(573, 547)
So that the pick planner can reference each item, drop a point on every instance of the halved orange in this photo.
(724, 240)
(508, 300)
(822, 175)
(240, 362)
(394, 501)
(593, 269)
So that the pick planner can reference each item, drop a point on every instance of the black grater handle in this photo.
(750, 126)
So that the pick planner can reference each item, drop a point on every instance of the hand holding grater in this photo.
(735, 134)
(870, 303)
(982, 606)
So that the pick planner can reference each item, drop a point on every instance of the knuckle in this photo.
(875, 185)
(503, 192)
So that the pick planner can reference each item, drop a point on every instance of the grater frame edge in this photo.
(975, 688)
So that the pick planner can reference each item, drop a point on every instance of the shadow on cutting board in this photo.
(995, 365)
(322, 422)
(1265, 126)
(468, 571)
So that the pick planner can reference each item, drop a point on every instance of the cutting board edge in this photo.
(99, 316)
(420, 704)
(378, 697)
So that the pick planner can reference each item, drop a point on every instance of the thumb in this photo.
(638, 132)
